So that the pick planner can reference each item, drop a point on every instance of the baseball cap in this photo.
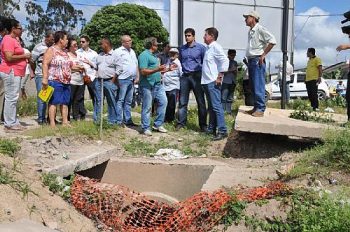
(174, 50)
(252, 13)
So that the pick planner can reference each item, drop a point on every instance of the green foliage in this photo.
(59, 15)
(9, 147)
(304, 112)
(310, 211)
(333, 154)
(58, 185)
(137, 21)
(335, 101)
(27, 107)
(234, 212)
(9, 7)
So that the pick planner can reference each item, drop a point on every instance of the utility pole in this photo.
(284, 50)
(2, 7)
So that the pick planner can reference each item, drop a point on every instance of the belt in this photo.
(104, 79)
(191, 73)
(253, 57)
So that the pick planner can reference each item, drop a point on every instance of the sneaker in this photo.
(147, 132)
(160, 129)
(258, 114)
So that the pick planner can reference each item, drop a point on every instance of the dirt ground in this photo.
(42, 206)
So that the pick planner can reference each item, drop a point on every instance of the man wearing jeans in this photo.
(215, 63)
(191, 57)
(107, 71)
(152, 88)
(37, 56)
(260, 43)
(129, 74)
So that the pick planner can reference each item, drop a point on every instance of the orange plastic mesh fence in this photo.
(124, 210)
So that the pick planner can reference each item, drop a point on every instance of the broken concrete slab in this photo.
(277, 122)
(25, 225)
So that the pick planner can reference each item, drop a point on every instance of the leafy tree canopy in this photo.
(59, 15)
(137, 21)
(8, 6)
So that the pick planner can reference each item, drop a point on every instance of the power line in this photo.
(318, 15)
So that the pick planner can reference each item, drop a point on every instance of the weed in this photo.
(27, 107)
(309, 211)
(58, 185)
(234, 212)
(308, 115)
(9, 147)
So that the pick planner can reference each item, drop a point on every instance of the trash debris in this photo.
(329, 110)
(169, 154)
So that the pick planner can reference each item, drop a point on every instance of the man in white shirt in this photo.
(260, 43)
(215, 64)
(129, 75)
(88, 57)
(289, 71)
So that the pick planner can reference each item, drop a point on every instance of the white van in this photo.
(297, 88)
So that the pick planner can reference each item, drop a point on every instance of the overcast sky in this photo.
(321, 32)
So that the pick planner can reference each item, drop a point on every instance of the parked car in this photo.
(297, 88)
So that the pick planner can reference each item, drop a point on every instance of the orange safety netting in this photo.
(124, 210)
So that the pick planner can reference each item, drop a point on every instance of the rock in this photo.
(8, 211)
(52, 225)
(180, 139)
(284, 170)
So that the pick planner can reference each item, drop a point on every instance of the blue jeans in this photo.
(125, 93)
(12, 86)
(149, 94)
(110, 92)
(216, 112)
(257, 76)
(41, 106)
(190, 82)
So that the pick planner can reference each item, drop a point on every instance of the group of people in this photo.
(165, 79)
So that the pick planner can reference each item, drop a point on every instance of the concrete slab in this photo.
(277, 122)
(24, 225)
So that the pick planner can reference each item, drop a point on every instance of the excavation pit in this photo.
(166, 182)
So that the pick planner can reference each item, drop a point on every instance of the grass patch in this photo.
(9, 147)
(79, 128)
(309, 211)
(332, 154)
(58, 185)
(138, 147)
(8, 178)
(27, 107)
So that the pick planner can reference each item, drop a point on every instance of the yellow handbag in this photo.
(46, 94)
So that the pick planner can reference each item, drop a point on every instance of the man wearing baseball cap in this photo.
(260, 43)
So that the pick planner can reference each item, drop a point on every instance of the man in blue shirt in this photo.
(191, 58)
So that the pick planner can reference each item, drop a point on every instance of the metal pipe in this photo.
(180, 26)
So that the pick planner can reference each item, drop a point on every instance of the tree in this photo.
(137, 21)
(59, 15)
(8, 6)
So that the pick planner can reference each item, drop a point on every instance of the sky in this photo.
(321, 32)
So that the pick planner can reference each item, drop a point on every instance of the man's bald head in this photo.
(126, 41)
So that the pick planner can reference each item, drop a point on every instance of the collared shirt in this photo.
(107, 65)
(230, 77)
(128, 63)
(312, 68)
(164, 58)
(37, 56)
(215, 61)
(191, 58)
(148, 60)
(171, 79)
(90, 55)
(258, 39)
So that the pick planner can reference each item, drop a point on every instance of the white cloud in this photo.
(322, 33)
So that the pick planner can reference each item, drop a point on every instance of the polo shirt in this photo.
(148, 60)
(312, 68)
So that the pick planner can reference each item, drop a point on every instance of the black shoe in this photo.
(179, 127)
(131, 124)
(204, 129)
(220, 136)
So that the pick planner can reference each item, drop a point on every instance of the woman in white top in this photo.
(77, 109)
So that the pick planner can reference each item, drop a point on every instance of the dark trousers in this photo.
(248, 96)
(188, 82)
(77, 107)
(311, 87)
(91, 89)
(171, 107)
